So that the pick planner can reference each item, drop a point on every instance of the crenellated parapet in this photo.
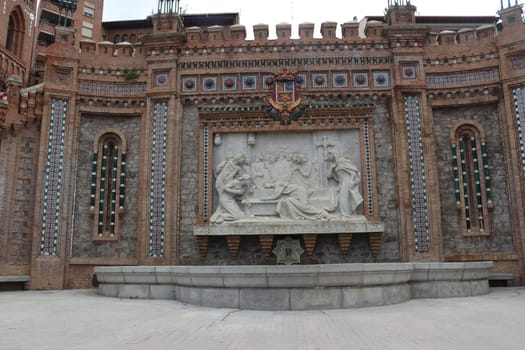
(372, 33)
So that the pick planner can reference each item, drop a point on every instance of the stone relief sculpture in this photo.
(293, 203)
(349, 178)
(231, 183)
(309, 181)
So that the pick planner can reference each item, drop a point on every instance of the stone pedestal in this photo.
(266, 230)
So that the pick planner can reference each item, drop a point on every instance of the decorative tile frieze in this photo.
(89, 87)
(368, 165)
(161, 79)
(158, 179)
(409, 72)
(360, 79)
(340, 80)
(189, 84)
(53, 178)
(229, 83)
(519, 108)
(268, 81)
(381, 79)
(61, 77)
(209, 84)
(206, 172)
(301, 80)
(319, 80)
(478, 77)
(249, 82)
(417, 175)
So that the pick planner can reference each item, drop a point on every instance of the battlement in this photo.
(367, 31)
(283, 32)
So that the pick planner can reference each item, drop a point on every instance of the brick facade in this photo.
(165, 90)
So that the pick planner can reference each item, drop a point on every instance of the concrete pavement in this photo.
(83, 320)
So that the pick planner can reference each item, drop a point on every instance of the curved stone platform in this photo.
(298, 287)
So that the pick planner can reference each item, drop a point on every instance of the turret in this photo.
(168, 16)
(400, 12)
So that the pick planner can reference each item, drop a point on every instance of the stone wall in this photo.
(83, 244)
(500, 238)
(327, 250)
(188, 252)
(386, 182)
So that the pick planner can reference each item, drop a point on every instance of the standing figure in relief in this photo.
(259, 173)
(348, 176)
(231, 183)
(280, 168)
(293, 203)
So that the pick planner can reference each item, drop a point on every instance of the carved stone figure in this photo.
(294, 204)
(260, 173)
(231, 183)
(348, 177)
(301, 170)
(280, 167)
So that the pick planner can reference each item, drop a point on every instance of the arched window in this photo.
(15, 32)
(471, 178)
(108, 182)
(116, 39)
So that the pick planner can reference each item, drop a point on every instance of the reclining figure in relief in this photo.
(294, 204)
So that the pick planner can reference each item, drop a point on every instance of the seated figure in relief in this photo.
(293, 202)
(348, 177)
(231, 183)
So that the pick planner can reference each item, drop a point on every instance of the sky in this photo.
(272, 12)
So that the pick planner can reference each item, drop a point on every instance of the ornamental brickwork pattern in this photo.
(111, 89)
(477, 77)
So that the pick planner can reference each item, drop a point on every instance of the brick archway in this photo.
(16, 32)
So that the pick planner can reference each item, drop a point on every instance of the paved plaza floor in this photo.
(83, 320)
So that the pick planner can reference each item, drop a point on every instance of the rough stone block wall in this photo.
(386, 182)
(83, 244)
(189, 254)
(500, 238)
(327, 249)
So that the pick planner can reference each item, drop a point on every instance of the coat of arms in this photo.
(285, 104)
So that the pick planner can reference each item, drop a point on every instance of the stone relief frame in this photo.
(218, 123)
